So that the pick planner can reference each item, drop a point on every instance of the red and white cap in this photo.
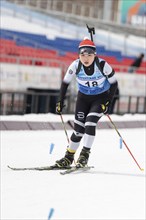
(87, 46)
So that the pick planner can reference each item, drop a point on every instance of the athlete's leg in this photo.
(79, 129)
(81, 111)
(92, 118)
(90, 125)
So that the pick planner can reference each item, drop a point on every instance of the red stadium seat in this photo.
(45, 57)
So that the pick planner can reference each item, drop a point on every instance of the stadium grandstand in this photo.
(39, 39)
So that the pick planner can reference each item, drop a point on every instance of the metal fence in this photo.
(40, 101)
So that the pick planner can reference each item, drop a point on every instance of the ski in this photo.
(76, 169)
(47, 168)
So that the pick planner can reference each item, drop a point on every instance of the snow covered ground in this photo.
(56, 118)
(114, 189)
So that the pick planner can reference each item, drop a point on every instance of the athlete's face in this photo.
(86, 59)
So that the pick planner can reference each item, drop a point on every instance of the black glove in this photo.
(105, 107)
(59, 107)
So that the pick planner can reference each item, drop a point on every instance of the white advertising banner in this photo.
(20, 77)
(131, 84)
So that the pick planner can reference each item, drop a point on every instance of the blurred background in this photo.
(39, 39)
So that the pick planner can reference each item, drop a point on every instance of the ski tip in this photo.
(62, 173)
(10, 167)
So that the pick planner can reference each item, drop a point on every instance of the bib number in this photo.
(91, 84)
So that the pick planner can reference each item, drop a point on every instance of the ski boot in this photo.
(83, 157)
(66, 161)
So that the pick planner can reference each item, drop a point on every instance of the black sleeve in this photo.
(102, 63)
(112, 90)
(111, 74)
(63, 90)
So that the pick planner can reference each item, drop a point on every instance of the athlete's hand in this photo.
(105, 107)
(59, 107)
